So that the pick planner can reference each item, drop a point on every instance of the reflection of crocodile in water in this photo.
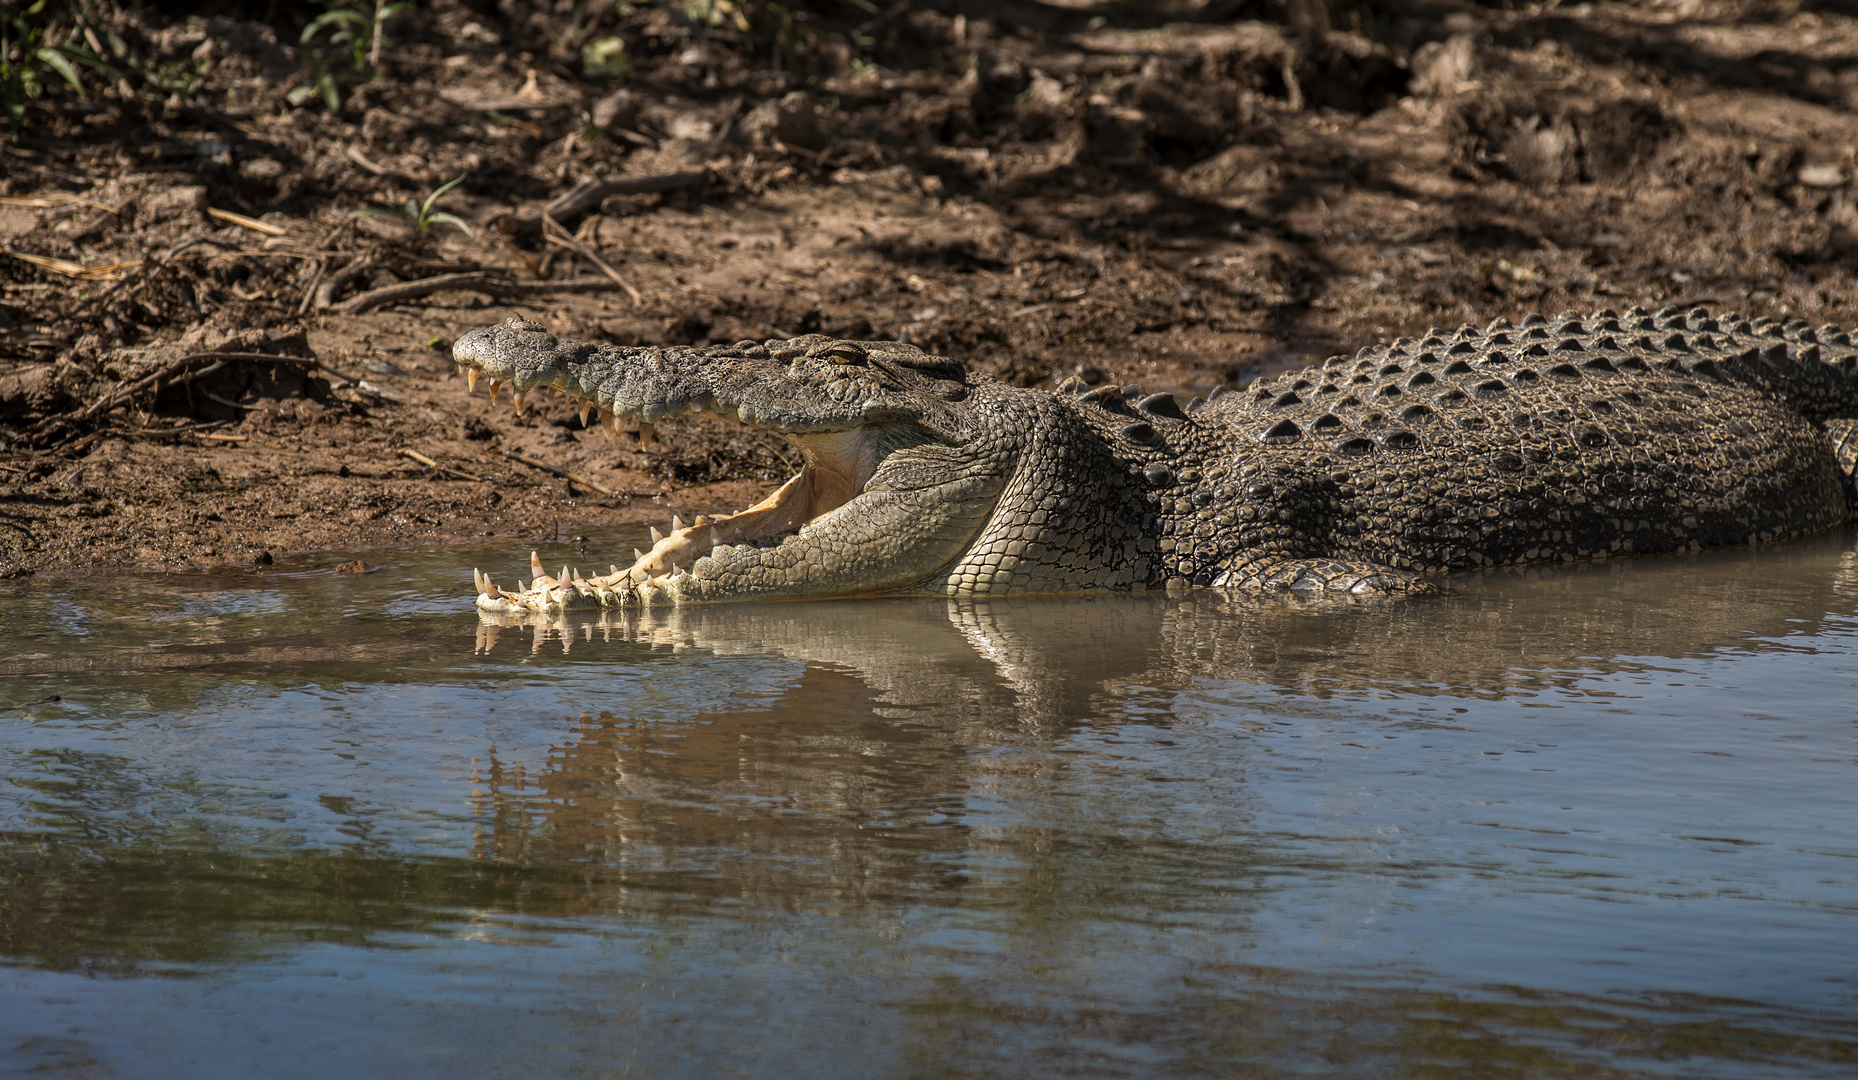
(983, 667)
(1575, 438)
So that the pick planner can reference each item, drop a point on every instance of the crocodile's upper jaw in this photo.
(766, 549)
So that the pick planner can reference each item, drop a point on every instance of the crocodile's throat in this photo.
(835, 467)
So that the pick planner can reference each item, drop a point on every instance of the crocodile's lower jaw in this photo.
(836, 466)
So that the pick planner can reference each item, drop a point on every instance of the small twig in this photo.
(191, 427)
(553, 233)
(561, 472)
(436, 467)
(381, 392)
(179, 373)
(150, 267)
(246, 222)
(325, 293)
(329, 237)
(53, 201)
(309, 291)
(217, 437)
(257, 358)
(493, 285)
(588, 194)
(210, 396)
(772, 449)
(101, 272)
(355, 155)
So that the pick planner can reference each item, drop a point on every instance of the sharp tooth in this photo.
(585, 409)
(657, 537)
(677, 524)
(471, 375)
(611, 569)
(702, 520)
(713, 540)
(477, 579)
(494, 387)
(564, 579)
(517, 399)
(645, 435)
(637, 557)
(535, 566)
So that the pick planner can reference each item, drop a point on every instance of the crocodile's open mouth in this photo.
(835, 467)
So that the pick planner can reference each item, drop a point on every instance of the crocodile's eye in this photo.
(841, 352)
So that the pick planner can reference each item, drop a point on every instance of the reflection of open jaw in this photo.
(607, 626)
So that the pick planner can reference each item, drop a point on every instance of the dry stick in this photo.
(309, 292)
(325, 293)
(435, 466)
(53, 201)
(124, 395)
(176, 368)
(323, 242)
(588, 194)
(244, 222)
(563, 473)
(143, 274)
(355, 155)
(210, 396)
(553, 233)
(183, 429)
(491, 284)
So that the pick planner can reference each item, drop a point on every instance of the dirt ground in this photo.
(197, 366)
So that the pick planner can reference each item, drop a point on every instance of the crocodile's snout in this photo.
(518, 352)
(854, 412)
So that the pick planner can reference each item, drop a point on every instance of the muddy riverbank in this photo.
(212, 355)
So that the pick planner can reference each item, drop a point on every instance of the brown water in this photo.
(1598, 822)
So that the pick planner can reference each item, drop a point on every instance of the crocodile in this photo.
(1548, 440)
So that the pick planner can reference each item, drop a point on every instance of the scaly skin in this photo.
(1578, 438)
